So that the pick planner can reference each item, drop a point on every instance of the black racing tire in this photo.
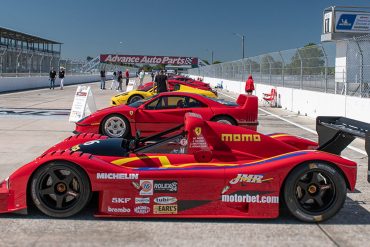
(134, 98)
(60, 189)
(115, 126)
(314, 191)
(224, 119)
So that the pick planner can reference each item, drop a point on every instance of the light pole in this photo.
(242, 37)
(211, 51)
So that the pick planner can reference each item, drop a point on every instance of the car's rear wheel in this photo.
(134, 98)
(314, 192)
(60, 189)
(115, 126)
(224, 119)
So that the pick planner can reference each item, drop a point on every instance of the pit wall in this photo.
(304, 102)
(8, 84)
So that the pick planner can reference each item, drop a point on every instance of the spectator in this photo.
(113, 86)
(119, 81)
(161, 82)
(152, 75)
(52, 76)
(102, 79)
(61, 77)
(249, 85)
(141, 77)
(127, 76)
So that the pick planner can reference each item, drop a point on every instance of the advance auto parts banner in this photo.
(111, 58)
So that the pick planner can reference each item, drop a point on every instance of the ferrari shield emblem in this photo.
(198, 131)
(131, 113)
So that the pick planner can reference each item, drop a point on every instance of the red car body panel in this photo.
(227, 171)
(245, 113)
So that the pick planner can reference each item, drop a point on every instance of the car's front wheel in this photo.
(115, 126)
(314, 191)
(60, 189)
(134, 98)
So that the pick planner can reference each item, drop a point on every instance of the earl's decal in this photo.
(241, 137)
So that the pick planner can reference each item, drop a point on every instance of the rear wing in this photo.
(336, 133)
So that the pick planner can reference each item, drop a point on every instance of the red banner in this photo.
(112, 58)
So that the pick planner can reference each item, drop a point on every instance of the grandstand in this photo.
(23, 54)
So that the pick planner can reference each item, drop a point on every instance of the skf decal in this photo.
(241, 137)
(165, 209)
(142, 210)
(198, 131)
(165, 200)
(120, 200)
(117, 176)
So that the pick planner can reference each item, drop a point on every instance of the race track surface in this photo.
(32, 121)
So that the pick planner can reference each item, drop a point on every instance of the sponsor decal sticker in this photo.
(240, 137)
(142, 210)
(165, 200)
(142, 200)
(249, 178)
(120, 200)
(165, 209)
(146, 187)
(131, 113)
(198, 131)
(118, 210)
(169, 186)
(247, 198)
(117, 176)
(184, 142)
(75, 148)
(90, 143)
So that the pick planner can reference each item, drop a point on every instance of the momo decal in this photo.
(142, 210)
(241, 137)
(165, 209)
(117, 176)
(169, 186)
(165, 200)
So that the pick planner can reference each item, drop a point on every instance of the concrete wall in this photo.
(306, 102)
(23, 83)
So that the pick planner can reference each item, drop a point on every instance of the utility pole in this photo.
(242, 37)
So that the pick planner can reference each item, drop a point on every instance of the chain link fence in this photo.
(311, 68)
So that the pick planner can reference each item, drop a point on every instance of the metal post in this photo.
(326, 69)
(41, 60)
(243, 38)
(30, 64)
(16, 63)
(243, 45)
(300, 58)
(282, 68)
(361, 66)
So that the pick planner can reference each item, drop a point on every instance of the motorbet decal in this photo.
(120, 200)
(165, 186)
(118, 210)
(250, 198)
(117, 176)
(110, 58)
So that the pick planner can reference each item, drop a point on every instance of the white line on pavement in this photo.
(298, 125)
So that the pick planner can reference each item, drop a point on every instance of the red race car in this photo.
(210, 170)
(167, 110)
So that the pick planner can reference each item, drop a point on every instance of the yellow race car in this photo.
(135, 95)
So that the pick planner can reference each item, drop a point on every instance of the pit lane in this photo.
(23, 137)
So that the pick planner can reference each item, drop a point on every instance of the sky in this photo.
(170, 27)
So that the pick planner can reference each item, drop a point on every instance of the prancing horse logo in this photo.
(198, 131)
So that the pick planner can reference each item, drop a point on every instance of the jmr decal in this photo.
(117, 176)
(247, 178)
(165, 200)
(165, 209)
(240, 137)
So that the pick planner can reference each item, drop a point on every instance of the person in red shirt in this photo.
(249, 85)
(127, 76)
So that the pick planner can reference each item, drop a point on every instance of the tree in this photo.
(310, 57)
(217, 62)
(88, 58)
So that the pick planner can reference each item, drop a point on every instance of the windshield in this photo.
(138, 103)
(224, 102)
(175, 145)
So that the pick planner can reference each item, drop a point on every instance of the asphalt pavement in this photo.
(25, 133)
